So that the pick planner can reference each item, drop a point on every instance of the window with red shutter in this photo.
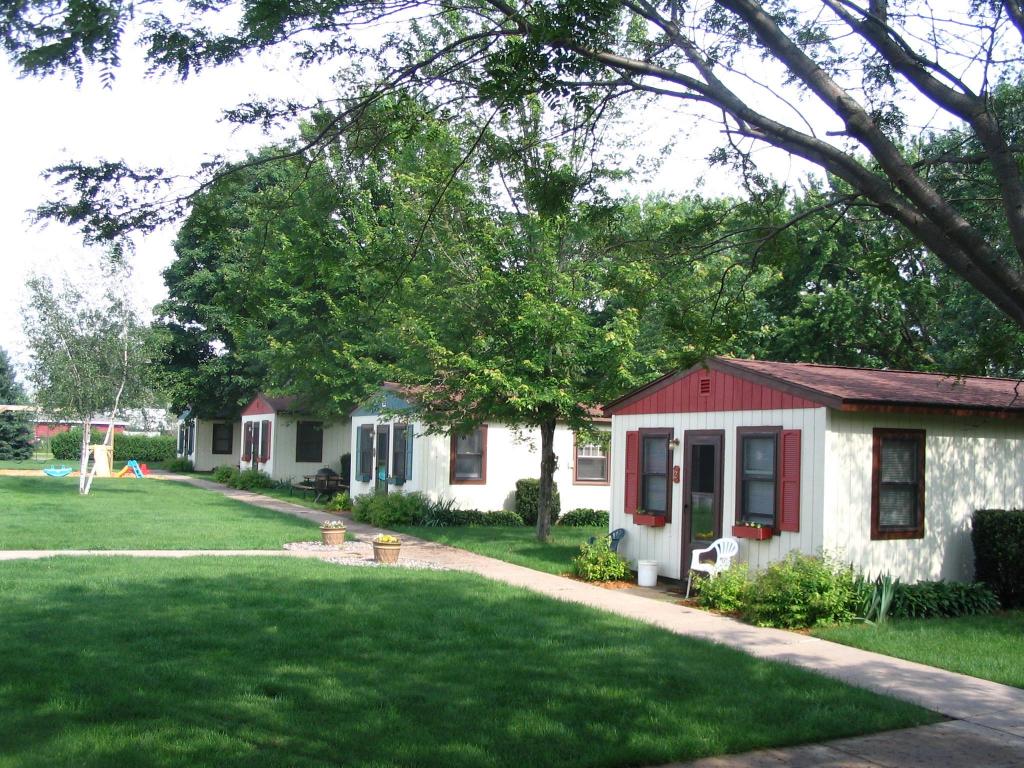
(789, 481)
(265, 441)
(632, 472)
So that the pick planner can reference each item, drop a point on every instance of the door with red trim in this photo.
(702, 491)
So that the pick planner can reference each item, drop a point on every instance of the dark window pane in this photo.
(655, 455)
(760, 499)
(899, 461)
(655, 494)
(469, 467)
(897, 506)
(591, 468)
(703, 468)
(759, 456)
(222, 438)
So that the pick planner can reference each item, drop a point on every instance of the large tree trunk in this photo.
(83, 475)
(548, 464)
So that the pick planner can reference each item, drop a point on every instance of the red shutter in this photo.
(789, 485)
(632, 472)
(265, 442)
(247, 442)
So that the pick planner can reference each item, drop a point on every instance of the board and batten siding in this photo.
(283, 428)
(664, 544)
(203, 458)
(970, 463)
(282, 464)
(511, 456)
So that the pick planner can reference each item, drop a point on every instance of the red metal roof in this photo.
(851, 389)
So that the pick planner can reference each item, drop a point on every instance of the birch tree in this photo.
(87, 356)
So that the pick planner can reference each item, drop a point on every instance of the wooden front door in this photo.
(380, 465)
(702, 490)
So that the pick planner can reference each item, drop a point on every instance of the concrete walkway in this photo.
(987, 727)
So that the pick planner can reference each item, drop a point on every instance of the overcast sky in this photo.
(154, 121)
(162, 122)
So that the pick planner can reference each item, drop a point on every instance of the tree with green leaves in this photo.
(15, 429)
(88, 356)
(854, 75)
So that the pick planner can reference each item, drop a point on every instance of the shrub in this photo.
(998, 538)
(249, 479)
(387, 510)
(180, 465)
(340, 502)
(802, 591)
(928, 599)
(597, 562)
(725, 592)
(68, 445)
(583, 517)
(502, 518)
(444, 513)
(527, 494)
(227, 475)
(144, 448)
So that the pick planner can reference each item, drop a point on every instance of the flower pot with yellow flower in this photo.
(386, 548)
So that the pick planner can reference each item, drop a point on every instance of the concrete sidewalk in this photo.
(988, 718)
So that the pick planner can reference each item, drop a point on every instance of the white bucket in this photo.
(647, 573)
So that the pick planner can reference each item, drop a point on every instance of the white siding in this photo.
(511, 455)
(203, 458)
(970, 463)
(282, 464)
(665, 544)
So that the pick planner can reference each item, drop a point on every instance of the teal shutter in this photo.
(409, 434)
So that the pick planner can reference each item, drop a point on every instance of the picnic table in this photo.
(322, 484)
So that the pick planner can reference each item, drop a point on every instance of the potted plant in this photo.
(333, 532)
(756, 531)
(386, 548)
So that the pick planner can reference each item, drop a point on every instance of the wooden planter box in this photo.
(654, 521)
(757, 534)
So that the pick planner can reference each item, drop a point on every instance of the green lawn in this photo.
(48, 513)
(514, 545)
(29, 463)
(274, 662)
(990, 647)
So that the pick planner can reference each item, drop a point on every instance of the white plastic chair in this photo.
(725, 550)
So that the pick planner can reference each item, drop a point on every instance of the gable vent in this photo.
(704, 386)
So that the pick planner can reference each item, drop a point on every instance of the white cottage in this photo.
(209, 443)
(883, 468)
(479, 471)
(281, 438)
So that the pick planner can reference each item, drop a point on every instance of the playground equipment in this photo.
(134, 469)
(103, 459)
(57, 471)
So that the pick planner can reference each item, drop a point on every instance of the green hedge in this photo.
(67, 446)
(584, 518)
(527, 494)
(998, 538)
